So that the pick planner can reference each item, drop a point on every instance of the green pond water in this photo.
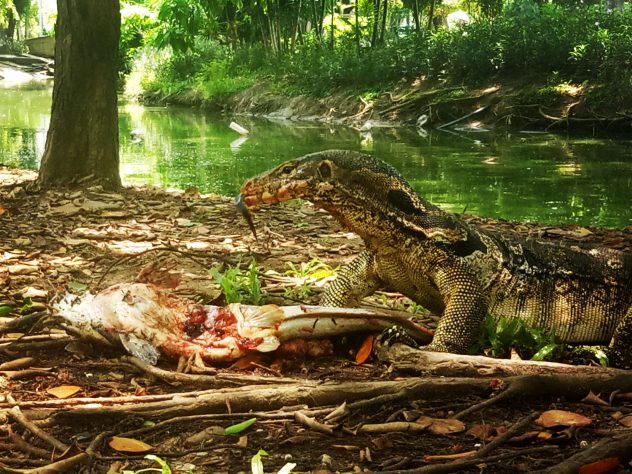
(520, 176)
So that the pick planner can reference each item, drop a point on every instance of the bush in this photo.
(571, 42)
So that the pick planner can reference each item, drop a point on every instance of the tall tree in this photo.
(82, 141)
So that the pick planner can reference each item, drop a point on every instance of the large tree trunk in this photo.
(82, 141)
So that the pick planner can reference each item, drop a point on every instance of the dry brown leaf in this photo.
(365, 350)
(600, 467)
(20, 269)
(63, 391)
(593, 399)
(129, 445)
(552, 418)
(482, 432)
(446, 426)
(626, 421)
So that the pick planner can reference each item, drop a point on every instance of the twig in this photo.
(21, 321)
(480, 109)
(176, 377)
(305, 420)
(19, 417)
(25, 447)
(510, 433)
(60, 466)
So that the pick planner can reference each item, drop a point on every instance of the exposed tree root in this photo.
(618, 446)
(408, 360)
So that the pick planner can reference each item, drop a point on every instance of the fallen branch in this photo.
(19, 417)
(310, 393)
(464, 463)
(618, 446)
(415, 361)
(480, 109)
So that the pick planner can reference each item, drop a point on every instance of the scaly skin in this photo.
(458, 271)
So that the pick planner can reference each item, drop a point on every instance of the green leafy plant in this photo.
(312, 269)
(239, 427)
(499, 337)
(239, 286)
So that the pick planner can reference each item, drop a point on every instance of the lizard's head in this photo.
(328, 179)
(359, 190)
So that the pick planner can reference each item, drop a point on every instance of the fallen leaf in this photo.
(552, 418)
(239, 427)
(446, 426)
(482, 432)
(68, 209)
(626, 421)
(17, 364)
(600, 467)
(22, 269)
(365, 350)
(31, 292)
(63, 391)
(129, 445)
(593, 399)
(248, 361)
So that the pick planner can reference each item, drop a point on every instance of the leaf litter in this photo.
(88, 239)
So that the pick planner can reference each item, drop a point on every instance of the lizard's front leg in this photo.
(466, 304)
(619, 351)
(355, 280)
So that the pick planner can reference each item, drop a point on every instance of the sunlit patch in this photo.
(127, 247)
(569, 169)
(198, 245)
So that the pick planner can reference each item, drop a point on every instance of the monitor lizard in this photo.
(459, 271)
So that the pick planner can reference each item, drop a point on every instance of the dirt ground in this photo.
(325, 414)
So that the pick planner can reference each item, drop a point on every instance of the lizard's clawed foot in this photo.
(393, 335)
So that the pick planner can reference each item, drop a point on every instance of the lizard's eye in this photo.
(324, 170)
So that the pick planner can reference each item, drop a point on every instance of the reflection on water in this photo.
(521, 176)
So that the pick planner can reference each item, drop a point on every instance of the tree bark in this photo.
(384, 18)
(82, 141)
(416, 15)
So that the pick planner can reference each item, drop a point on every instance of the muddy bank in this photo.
(507, 105)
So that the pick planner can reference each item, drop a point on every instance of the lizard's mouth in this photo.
(251, 196)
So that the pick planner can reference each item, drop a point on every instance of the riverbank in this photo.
(506, 104)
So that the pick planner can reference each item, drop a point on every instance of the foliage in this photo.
(563, 41)
(498, 337)
(137, 23)
(240, 287)
(239, 427)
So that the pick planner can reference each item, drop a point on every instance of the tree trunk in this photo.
(376, 22)
(384, 17)
(357, 25)
(331, 33)
(431, 14)
(82, 140)
(416, 14)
